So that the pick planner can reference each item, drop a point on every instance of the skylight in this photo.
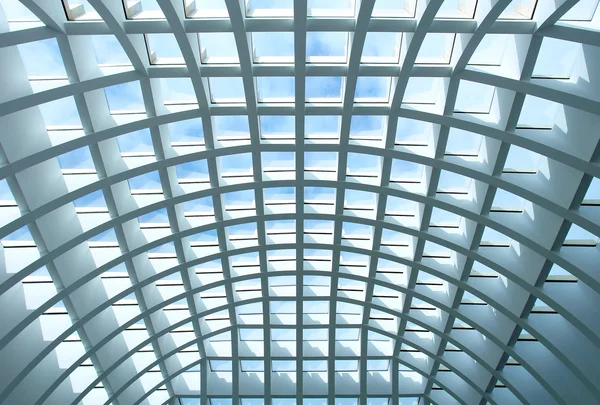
(299, 202)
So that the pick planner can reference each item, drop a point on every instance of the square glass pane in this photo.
(322, 126)
(367, 126)
(372, 89)
(164, 49)
(231, 127)
(125, 97)
(226, 89)
(326, 47)
(47, 51)
(270, 8)
(324, 89)
(188, 131)
(109, 51)
(273, 47)
(330, 8)
(394, 8)
(436, 48)
(275, 89)
(218, 47)
(277, 126)
(381, 47)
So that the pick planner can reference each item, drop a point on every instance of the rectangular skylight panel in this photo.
(318, 226)
(220, 401)
(155, 217)
(314, 401)
(522, 160)
(491, 237)
(244, 198)
(275, 89)
(125, 97)
(381, 47)
(457, 9)
(557, 58)
(319, 194)
(80, 10)
(320, 126)
(345, 366)
(506, 201)
(490, 50)
(279, 194)
(315, 335)
(252, 366)
(314, 366)
(367, 126)
(453, 182)
(316, 307)
(146, 181)
(277, 126)
(436, 48)
(143, 9)
(273, 47)
(283, 401)
(207, 9)
(163, 49)
(324, 89)
(235, 164)
(326, 47)
(378, 365)
(583, 10)
(363, 164)
(354, 230)
(406, 172)
(197, 169)
(136, 142)
(92, 200)
(519, 10)
(422, 90)
(177, 90)
(60, 113)
(320, 161)
(231, 127)
(474, 98)
(394, 8)
(282, 366)
(199, 206)
(278, 161)
(330, 8)
(78, 159)
(226, 89)
(540, 113)
(278, 227)
(372, 89)
(463, 143)
(440, 217)
(269, 8)
(47, 51)
(218, 47)
(356, 198)
(283, 334)
(390, 237)
(347, 334)
(188, 131)
(413, 132)
(204, 238)
(593, 192)
(247, 334)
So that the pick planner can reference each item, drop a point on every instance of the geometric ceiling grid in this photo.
(299, 202)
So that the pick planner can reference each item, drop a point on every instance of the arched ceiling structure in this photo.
(277, 202)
